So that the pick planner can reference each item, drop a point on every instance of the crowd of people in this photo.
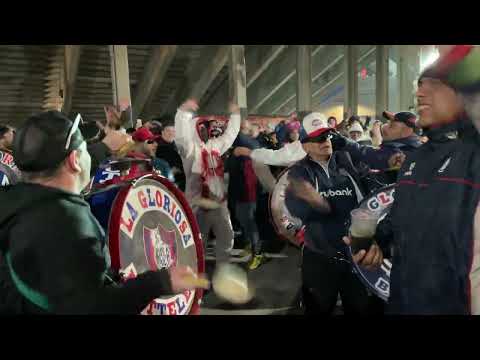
(226, 167)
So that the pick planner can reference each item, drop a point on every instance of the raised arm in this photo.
(225, 142)
(287, 155)
(185, 128)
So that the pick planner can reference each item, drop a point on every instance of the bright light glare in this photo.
(430, 59)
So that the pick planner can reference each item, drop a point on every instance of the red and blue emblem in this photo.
(160, 248)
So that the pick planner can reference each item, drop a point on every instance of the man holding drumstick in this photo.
(53, 251)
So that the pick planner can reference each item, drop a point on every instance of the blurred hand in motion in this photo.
(233, 108)
(181, 279)
(124, 105)
(377, 133)
(115, 139)
(112, 115)
(370, 260)
(301, 189)
(242, 151)
(377, 128)
(190, 105)
(100, 125)
(305, 191)
(396, 161)
(338, 141)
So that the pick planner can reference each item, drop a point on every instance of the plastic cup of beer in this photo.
(362, 229)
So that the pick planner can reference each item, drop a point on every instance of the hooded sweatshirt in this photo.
(57, 249)
(193, 150)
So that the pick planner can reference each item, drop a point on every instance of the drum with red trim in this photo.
(150, 226)
(285, 224)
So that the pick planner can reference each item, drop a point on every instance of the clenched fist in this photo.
(396, 161)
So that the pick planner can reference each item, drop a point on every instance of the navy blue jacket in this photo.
(324, 232)
(431, 224)
(378, 158)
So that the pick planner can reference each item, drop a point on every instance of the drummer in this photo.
(323, 191)
(53, 250)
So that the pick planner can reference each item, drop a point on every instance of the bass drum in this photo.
(150, 226)
(286, 225)
(377, 281)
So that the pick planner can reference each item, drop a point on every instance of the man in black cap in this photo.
(434, 224)
(53, 251)
(399, 140)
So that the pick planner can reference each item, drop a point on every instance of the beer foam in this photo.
(362, 231)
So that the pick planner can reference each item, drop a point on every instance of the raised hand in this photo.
(112, 115)
(233, 108)
(190, 105)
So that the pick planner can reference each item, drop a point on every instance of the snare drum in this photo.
(150, 226)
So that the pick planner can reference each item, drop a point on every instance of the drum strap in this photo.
(33, 296)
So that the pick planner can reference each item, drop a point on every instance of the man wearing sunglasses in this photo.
(399, 140)
(54, 257)
(323, 190)
(145, 143)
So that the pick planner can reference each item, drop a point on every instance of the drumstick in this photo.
(395, 168)
(196, 282)
(230, 283)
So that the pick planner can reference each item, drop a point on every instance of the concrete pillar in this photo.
(381, 77)
(121, 79)
(304, 80)
(237, 79)
(71, 65)
(408, 66)
(351, 81)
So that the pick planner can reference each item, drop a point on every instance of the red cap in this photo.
(143, 134)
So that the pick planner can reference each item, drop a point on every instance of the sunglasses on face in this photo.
(72, 131)
(150, 142)
(321, 139)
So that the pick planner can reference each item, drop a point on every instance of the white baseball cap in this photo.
(315, 124)
(355, 127)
